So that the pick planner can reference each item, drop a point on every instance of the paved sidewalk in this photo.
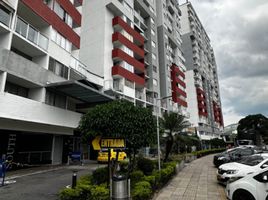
(197, 181)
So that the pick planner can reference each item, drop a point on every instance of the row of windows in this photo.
(63, 14)
(58, 68)
(61, 41)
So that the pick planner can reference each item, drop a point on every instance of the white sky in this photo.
(238, 30)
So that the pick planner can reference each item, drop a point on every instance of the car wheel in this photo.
(242, 195)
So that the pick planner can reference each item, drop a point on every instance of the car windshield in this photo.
(251, 160)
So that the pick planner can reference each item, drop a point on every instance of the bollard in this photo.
(74, 179)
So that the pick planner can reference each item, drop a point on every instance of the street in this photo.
(43, 186)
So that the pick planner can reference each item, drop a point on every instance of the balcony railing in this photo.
(139, 95)
(31, 34)
(118, 86)
(5, 17)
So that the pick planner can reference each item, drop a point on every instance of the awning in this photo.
(81, 91)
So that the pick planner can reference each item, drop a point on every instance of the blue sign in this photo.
(76, 156)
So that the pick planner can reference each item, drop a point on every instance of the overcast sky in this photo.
(238, 30)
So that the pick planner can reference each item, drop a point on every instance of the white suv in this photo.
(252, 187)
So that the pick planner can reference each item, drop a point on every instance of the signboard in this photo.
(110, 143)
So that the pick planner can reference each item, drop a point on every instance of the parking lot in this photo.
(197, 181)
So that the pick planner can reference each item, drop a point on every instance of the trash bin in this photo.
(119, 187)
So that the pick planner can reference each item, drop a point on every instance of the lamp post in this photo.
(157, 123)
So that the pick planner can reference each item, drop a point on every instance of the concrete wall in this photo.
(57, 148)
(23, 109)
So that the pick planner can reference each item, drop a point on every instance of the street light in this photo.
(157, 123)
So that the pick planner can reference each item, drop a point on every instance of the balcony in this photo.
(5, 18)
(31, 34)
(80, 68)
(139, 95)
(149, 99)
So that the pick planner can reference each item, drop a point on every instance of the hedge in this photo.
(142, 191)
(205, 152)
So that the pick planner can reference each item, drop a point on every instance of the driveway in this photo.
(197, 181)
(42, 185)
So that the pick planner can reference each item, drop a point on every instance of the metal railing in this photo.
(30, 33)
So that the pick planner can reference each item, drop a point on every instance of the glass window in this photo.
(43, 41)
(153, 56)
(155, 82)
(16, 89)
(53, 35)
(59, 10)
(5, 15)
(152, 31)
(153, 44)
(32, 35)
(54, 99)
(21, 27)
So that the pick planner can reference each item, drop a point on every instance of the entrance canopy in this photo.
(81, 90)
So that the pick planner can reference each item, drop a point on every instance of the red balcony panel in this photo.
(181, 92)
(179, 81)
(177, 70)
(118, 70)
(71, 10)
(205, 114)
(200, 91)
(123, 40)
(199, 98)
(118, 21)
(52, 18)
(182, 102)
(118, 53)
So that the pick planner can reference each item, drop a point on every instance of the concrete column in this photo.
(57, 148)
(3, 77)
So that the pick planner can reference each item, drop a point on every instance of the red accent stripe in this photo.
(132, 61)
(182, 103)
(71, 10)
(118, 70)
(52, 18)
(119, 37)
(118, 21)
(181, 92)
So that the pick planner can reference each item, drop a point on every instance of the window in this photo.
(153, 44)
(61, 41)
(155, 69)
(58, 68)
(128, 51)
(63, 14)
(155, 82)
(128, 67)
(16, 89)
(153, 32)
(153, 56)
(5, 15)
(21, 27)
(54, 99)
(151, 9)
(152, 21)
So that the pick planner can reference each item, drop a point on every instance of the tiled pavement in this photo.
(197, 181)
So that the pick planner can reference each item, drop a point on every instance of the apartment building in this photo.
(44, 87)
(171, 60)
(120, 45)
(204, 103)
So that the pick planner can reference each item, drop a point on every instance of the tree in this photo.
(121, 119)
(173, 123)
(253, 127)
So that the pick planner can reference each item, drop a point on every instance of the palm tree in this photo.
(173, 124)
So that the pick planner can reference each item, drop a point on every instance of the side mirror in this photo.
(265, 178)
(264, 166)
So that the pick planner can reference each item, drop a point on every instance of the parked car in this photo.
(236, 170)
(251, 187)
(235, 154)
(103, 155)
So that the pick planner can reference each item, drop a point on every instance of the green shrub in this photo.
(100, 175)
(157, 175)
(69, 194)
(99, 192)
(151, 180)
(142, 191)
(145, 165)
(205, 152)
(136, 176)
